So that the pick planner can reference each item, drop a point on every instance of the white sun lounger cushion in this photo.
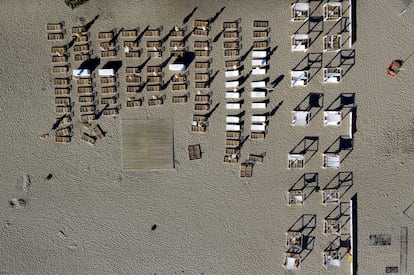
(232, 106)
(233, 119)
(232, 84)
(81, 72)
(106, 72)
(259, 62)
(232, 127)
(256, 94)
(259, 54)
(259, 118)
(259, 105)
(232, 95)
(232, 73)
(258, 127)
(258, 84)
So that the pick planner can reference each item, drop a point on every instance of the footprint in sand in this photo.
(17, 203)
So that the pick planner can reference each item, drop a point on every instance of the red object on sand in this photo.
(393, 68)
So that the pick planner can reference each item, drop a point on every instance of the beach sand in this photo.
(92, 217)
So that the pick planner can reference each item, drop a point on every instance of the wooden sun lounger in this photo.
(133, 89)
(256, 158)
(154, 79)
(86, 99)
(232, 143)
(231, 53)
(202, 53)
(133, 54)
(107, 45)
(134, 103)
(55, 36)
(85, 90)
(60, 59)
(62, 100)
(155, 101)
(54, 27)
(82, 38)
(231, 45)
(246, 170)
(201, 45)
(154, 54)
(231, 158)
(203, 24)
(110, 112)
(78, 30)
(62, 139)
(108, 79)
(155, 45)
(202, 65)
(260, 24)
(60, 69)
(63, 109)
(88, 138)
(62, 91)
(180, 53)
(132, 70)
(67, 131)
(194, 152)
(230, 25)
(82, 57)
(202, 98)
(152, 33)
(200, 118)
(81, 48)
(230, 34)
(98, 132)
(105, 35)
(153, 88)
(86, 81)
(202, 76)
(179, 99)
(108, 90)
(231, 151)
(178, 78)
(154, 70)
(130, 44)
(233, 134)
(260, 34)
(200, 32)
(61, 81)
(87, 117)
(201, 107)
(179, 87)
(108, 100)
(88, 109)
(202, 85)
(177, 44)
(257, 135)
(198, 128)
(58, 50)
(232, 64)
(133, 79)
(177, 33)
(110, 53)
(260, 44)
(129, 33)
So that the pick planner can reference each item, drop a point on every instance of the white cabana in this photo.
(300, 12)
(332, 75)
(232, 84)
(232, 119)
(259, 105)
(300, 118)
(260, 119)
(232, 127)
(258, 84)
(331, 161)
(233, 106)
(258, 71)
(300, 42)
(258, 127)
(232, 95)
(332, 11)
(299, 78)
(259, 54)
(296, 161)
(81, 73)
(259, 62)
(292, 261)
(332, 43)
(106, 72)
(332, 118)
(232, 73)
(257, 94)
(177, 67)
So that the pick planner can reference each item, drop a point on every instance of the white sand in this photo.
(92, 217)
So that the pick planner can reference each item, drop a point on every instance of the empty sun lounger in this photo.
(202, 98)
(179, 78)
(233, 127)
(259, 71)
(153, 88)
(202, 76)
(85, 90)
(258, 84)
(54, 26)
(155, 101)
(82, 57)
(232, 64)
(258, 127)
(231, 95)
(260, 34)
(108, 90)
(179, 99)
(133, 54)
(132, 70)
(131, 103)
(200, 32)
(78, 30)
(129, 33)
(81, 48)
(232, 143)
(154, 54)
(260, 24)
(231, 45)
(202, 65)
(201, 45)
(259, 119)
(63, 109)
(233, 106)
(202, 53)
(232, 73)
(108, 100)
(108, 53)
(106, 35)
(154, 79)
(202, 24)
(232, 119)
(133, 89)
(60, 69)
(230, 34)
(194, 152)
(87, 117)
(246, 170)
(55, 36)
(259, 62)
(88, 109)
(62, 91)
(177, 33)
(230, 25)
(201, 107)
(257, 135)
(202, 85)
(60, 59)
(257, 94)
(260, 44)
(130, 44)
(177, 44)
(62, 100)
(231, 52)
(233, 134)
(89, 139)
(232, 84)
(61, 81)
(110, 112)
(86, 99)
(152, 33)
(63, 139)
(85, 81)
(259, 54)
(60, 50)
(179, 87)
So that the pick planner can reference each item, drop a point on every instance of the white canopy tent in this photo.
(81, 72)
(177, 67)
(332, 118)
(300, 118)
(106, 72)
(300, 42)
(332, 75)
(299, 78)
(331, 161)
